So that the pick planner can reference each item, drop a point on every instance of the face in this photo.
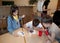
(15, 13)
(46, 25)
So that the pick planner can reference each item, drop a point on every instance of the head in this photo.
(35, 22)
(47, 21)
(14, 10)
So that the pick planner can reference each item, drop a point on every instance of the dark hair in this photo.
(35, 22)
(46, 3)
(47, 19)
(13, 9)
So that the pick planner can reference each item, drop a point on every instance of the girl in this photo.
(13, 20)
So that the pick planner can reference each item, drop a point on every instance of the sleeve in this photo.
(27, 25)
(9, 27)
(20, 18)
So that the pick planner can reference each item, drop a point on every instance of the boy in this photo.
(54, 31)
(34, 24)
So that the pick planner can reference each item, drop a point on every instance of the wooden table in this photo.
(8, 38)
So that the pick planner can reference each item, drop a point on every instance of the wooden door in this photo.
(58, 6)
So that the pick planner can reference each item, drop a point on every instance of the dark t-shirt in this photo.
(46, 3)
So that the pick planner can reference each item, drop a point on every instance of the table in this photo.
(8, 38)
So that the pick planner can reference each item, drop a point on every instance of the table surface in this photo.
(8, 38)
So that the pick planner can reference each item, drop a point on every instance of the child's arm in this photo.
(52, 37)
(25, 27)
(38, 29)
(45, 9)
(48, 41)
(22, 16)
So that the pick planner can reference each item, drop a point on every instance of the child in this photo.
(33, 25)
(13, 20)
(53, 29)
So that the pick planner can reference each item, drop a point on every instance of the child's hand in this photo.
(45, 29)
(41, 29)
(46, 32)
(23, 16)
(48, 41)
(15, 34)
(31, 31)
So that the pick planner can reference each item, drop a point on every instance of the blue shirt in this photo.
(13, 24)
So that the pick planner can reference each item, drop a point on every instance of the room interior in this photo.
(23, 10)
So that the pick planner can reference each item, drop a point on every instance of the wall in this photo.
(21, 2)
(7, 0)
(52, 6)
